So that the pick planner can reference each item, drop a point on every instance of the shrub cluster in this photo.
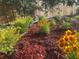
(11, 34)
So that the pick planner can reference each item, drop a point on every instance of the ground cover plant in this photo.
(25, 50)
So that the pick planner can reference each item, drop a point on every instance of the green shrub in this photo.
(42, 18)
(44, 25)
(45, 29)
(71, 55)
(23, 23)
(68, 19)
(53, 23)
(66, 25)
(8, 38)
(76, 17)
(58, 17)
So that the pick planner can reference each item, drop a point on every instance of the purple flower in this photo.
(73, 21)
(64, 17)
(78, 28)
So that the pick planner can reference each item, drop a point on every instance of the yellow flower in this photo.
(72, 38)
(75, 47)
(67, 49)
(66, 37)
(75, 31)
(43, 22)
(61, 43)
(68, 32)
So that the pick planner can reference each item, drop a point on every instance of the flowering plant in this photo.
(44, 25)
(69, 44)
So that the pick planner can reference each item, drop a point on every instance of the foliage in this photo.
(70, 44)
(45, 29)
(23, 23)
(51, 3)
(42, 18)
(23, 7)
(72, 55)
(68, 19)
(44, 25)
(58, 17)
(76, 17)
(8, 38)
(43, 21)
(53, 23)
(26, 7)
(66, 24)
(25, 50)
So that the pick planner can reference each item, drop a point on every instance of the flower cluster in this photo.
(43, 22)
(69, 42)
(44, 26)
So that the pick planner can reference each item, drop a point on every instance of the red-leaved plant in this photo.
(25, 50)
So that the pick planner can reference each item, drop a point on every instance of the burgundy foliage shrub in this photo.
(25, 50)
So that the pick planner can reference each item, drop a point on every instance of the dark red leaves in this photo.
(24, 50)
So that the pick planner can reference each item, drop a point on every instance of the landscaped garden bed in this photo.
(55, 38)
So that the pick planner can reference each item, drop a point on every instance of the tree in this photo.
(52, 3)
(25, 7)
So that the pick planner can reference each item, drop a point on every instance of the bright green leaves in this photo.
(23, 23)
(72, 55)
(8, 38)
(45, 29)
(53, 23)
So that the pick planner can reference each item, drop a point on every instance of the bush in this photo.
(68, 19)
(66, 25)
(42, 18)
(53, 23)
(8, 38)
(76, 17)
(72, 55)
(45, 29)
(44, 25)
(58, 17)
(23, 23)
